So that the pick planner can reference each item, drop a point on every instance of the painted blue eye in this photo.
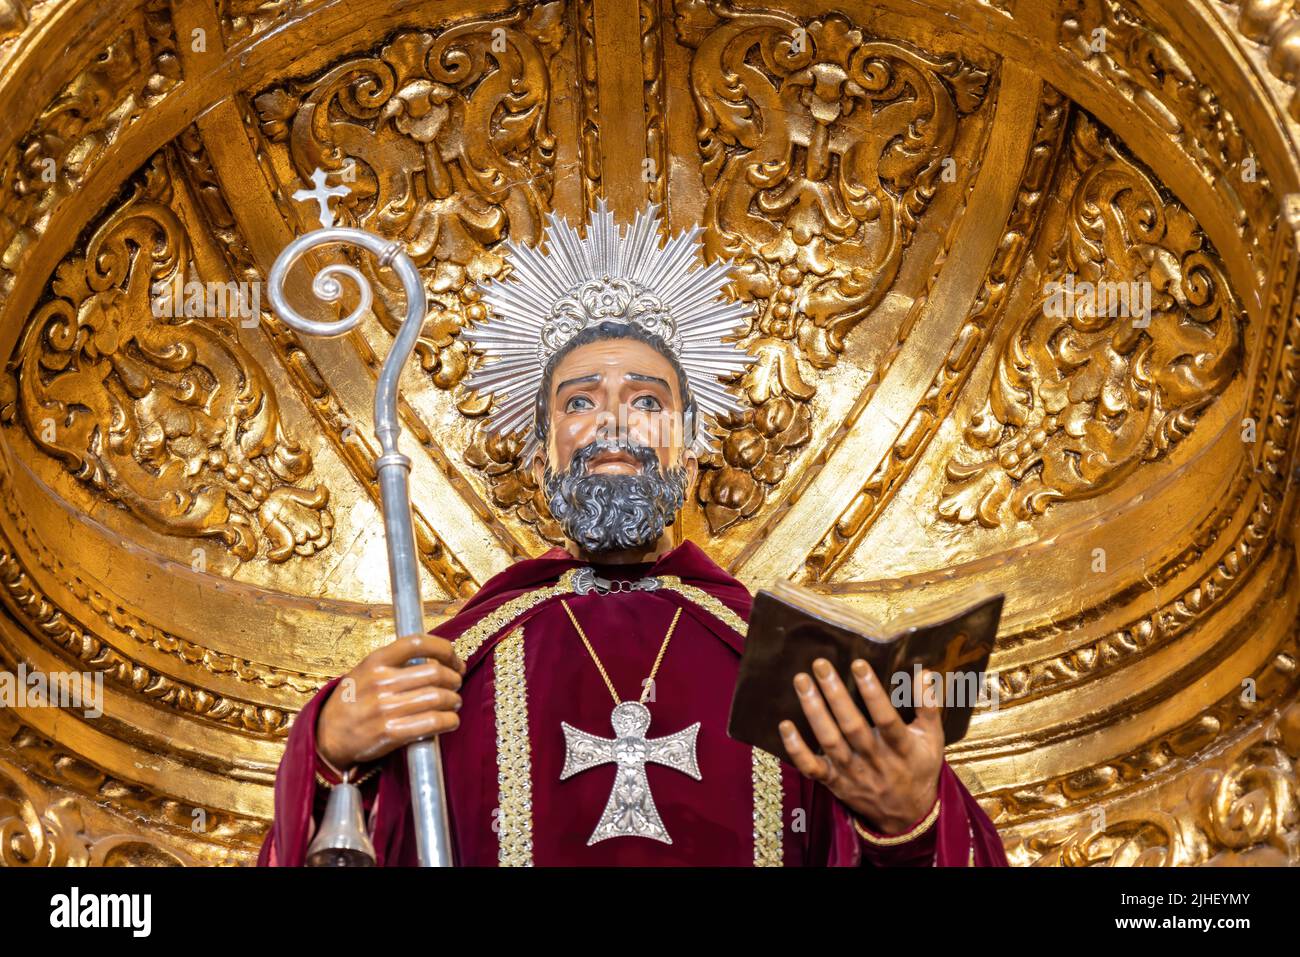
(647, 403)
(579, 403)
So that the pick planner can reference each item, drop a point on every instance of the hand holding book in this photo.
(888, 774)
(838, 725)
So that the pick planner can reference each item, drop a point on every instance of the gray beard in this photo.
(614, 513)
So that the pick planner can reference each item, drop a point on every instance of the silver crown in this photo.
(609, 274)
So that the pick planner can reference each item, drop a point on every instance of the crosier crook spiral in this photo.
(424, 762)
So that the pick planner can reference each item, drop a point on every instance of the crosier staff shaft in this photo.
(423, 759)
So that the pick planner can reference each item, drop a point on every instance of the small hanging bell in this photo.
(342, 840)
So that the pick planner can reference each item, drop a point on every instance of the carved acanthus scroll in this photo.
(822, 147)
(1243, 811)
(165, 415)
(443, 140)
(1135, 334)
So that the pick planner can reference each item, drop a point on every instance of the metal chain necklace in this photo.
(585, 581)
(630, 810)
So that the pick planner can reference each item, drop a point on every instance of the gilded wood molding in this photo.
(189, 503)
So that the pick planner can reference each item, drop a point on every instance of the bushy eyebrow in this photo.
(638, 377)
(595, 377)
(581, 380)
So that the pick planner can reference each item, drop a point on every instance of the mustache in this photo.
(644, 455)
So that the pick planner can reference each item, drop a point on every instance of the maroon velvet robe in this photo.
(507, 802)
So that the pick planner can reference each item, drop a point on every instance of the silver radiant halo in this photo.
(610, 273)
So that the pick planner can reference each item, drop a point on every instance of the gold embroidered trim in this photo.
(706, 601)
(768, 793)
(474, 637)
(769, 848)
(514, 760)
(889, 840)
(514, 755)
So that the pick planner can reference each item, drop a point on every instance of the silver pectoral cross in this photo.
(630, 810)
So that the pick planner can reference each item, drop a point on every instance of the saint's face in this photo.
(610, 389)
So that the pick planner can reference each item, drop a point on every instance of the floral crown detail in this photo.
(609, 274)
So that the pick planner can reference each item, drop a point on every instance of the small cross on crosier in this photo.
(321, 195)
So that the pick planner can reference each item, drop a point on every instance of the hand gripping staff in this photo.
(338, 840)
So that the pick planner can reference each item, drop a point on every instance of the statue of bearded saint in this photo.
(581, 698)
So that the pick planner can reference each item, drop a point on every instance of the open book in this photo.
(790, 627)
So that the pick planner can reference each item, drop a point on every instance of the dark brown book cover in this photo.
(790, 627)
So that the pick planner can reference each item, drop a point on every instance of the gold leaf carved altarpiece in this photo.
(188, 503)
